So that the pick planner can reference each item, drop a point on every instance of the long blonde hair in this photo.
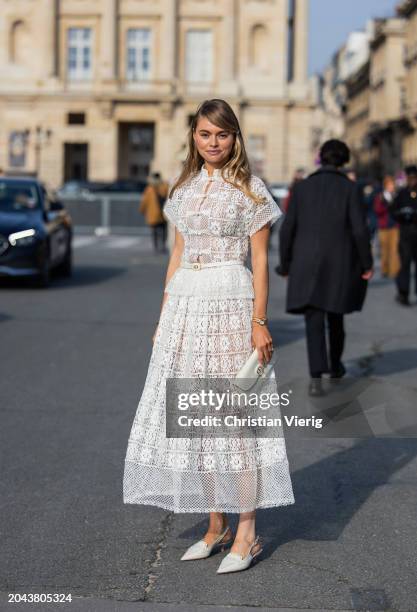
(236, 171)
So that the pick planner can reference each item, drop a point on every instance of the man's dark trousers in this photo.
(315, 319)
(408, 254)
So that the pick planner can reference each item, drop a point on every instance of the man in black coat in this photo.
(404, 210)
(326, 253)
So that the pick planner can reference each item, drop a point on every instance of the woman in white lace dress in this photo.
(206, 330)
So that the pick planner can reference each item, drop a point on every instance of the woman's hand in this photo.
(262, 340)
(367, 275)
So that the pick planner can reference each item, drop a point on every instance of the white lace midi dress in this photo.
(205, 331)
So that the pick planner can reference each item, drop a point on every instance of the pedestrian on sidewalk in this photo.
(404, 210)
(213, 317)
(325, 252)
(151, 206)
(298, 176)
(388, 231)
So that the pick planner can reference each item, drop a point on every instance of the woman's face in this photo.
(213, 143)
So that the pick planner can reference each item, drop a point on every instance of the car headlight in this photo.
(22, 238)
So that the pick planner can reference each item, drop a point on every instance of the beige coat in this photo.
(149, 205)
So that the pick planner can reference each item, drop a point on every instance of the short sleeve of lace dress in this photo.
(265, 212)
(170, 211)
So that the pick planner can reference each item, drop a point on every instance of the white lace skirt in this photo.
(200, 337)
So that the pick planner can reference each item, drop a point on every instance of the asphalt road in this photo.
(73, 362)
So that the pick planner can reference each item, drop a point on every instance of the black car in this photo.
(35, 231)
(125, 186)
(83, 190)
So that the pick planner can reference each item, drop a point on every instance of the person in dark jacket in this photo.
(326, 253)
(404, 210)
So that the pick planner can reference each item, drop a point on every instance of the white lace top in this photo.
(216, 221)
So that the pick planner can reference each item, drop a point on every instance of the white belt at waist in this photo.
(197, 265)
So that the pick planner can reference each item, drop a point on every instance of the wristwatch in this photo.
(261, 321)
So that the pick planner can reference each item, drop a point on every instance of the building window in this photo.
(19, 42)
(79, 54)
(76, 119)
(259, 56)
(199, 56)
(138, 54)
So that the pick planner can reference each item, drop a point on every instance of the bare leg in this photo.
(245, 535)
(217, 523)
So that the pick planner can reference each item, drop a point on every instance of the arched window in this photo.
(259, 52)
(19, 44)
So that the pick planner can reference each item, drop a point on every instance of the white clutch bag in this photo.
(252, 371)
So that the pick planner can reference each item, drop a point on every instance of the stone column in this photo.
(300, 41)
(227, 60)
(108, 39)
(226, 53)
(168, 73)
(169, 33)
(49, 38)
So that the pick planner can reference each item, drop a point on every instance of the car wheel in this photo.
(44, 276)
(65, 268)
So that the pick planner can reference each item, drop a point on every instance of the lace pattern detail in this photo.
(217, 219)
(201, 338)
(205, 331)
(233, 281)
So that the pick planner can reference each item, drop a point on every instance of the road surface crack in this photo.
(152, 575)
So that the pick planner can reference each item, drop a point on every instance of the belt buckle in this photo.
(196, 266)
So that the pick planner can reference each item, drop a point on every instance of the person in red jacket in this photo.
(298, 176)
(388, 231)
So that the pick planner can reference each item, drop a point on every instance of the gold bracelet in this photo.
(260, 321)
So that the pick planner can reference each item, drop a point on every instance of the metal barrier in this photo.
(106, 213)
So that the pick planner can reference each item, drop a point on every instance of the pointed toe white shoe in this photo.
(233, 562)
(201, 550)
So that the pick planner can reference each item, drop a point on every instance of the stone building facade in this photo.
(346, 62)
(100, 89)
(381, 100)
(357, 118)
(375, 103)
(386, 97)
(408, 10)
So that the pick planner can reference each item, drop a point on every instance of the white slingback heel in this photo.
(233, 562)
(202, 550)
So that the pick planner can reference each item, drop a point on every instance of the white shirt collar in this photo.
(216, 176)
